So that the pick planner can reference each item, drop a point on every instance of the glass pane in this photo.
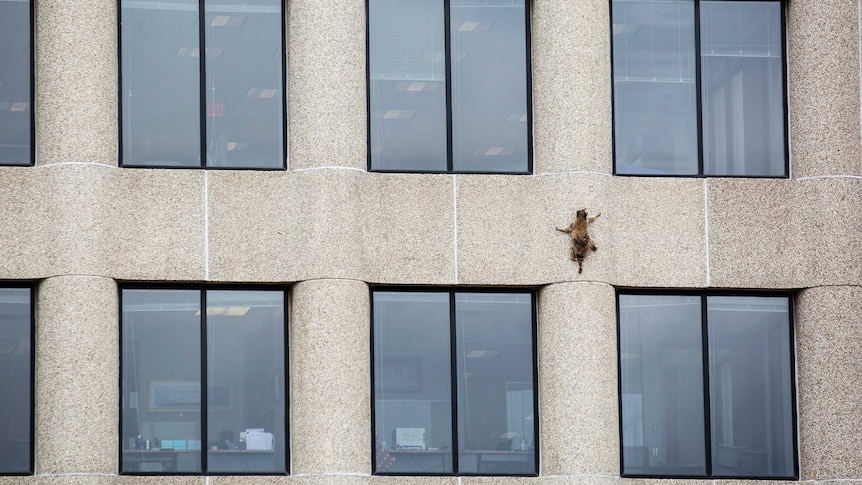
(161, 83)
(412, 383)
(161, 390)
(743, 88)
(245, 377)
(661, 362)
(655, 96)
(15, 369)
(489, 86)
(750, 380)
(15, 109)
(494, 334)
(407, 85)
(245, 95)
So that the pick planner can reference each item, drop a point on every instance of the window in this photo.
(227, 103)
(454, 364)
(706, 386)
(16, 81)
(449, 86)
(16, 380)
(699, 88)
(172, 351)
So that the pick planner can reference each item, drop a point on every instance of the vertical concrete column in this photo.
(578, 379)
(829, 382)
(330, 382)
(76, 81)
(77, 370)
(326, 83)
(823, 65)
(571, 86)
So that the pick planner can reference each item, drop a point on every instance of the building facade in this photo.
(81, 230)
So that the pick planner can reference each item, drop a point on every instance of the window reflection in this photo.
(15, 379)
(15, 82)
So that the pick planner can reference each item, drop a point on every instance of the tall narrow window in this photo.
(178, 361)
(16, 381)
(449, 86)
(16, 91)
(454, 376)
(706, 386)
(227, 104)
(699, 88)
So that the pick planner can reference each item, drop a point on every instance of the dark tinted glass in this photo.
(407, 85)
(160, 83)
(661, 374)
(655, 96)
(412, 382)
(15, 83)
(494, 335)
(489, 86)
(245, 380)
(15, 378)
(750, 380)
(742, 82)
(244, 84)
(161, 379)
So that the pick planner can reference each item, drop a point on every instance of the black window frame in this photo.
(32, 40)
(204, 377)
(528, 8)
(203, 97)
(704, 322)
(32, 451)
(452, 292)
(699, 108)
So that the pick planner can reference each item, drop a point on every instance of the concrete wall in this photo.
(77, 224)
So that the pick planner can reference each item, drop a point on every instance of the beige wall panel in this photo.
(76, 81)
(330, 406)
(77, 399)
(782, 234)
(158, 480)
(322, 479)
(829, 382)
(650, 232)
(578, 380)
(96, 220)
(331, 224)
(823, 67)
(571, 86)
(326, 83)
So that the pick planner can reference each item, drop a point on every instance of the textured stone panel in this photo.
(829, 340)
(823, 65)
(330, 374)
(578, 380)
(77, 398)
(326, 83)
(650, 232)
(331, 224)
(312, 479)
(162, 480)
(785, 234)
(571, 86)
(76, 81)
(96, 220)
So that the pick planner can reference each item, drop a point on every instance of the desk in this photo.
(477, 461)
(238, 461)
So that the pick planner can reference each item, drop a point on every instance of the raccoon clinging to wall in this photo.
(582, 243)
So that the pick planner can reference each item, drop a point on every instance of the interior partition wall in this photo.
(454, 376)
(202, 77)
(16, 83)
(203, 381)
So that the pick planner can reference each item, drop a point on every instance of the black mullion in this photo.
(535, 325)
(33, 343)
(284, 129)
(120, 158)
(528, 34)
(32, 89)
(203, 381)
(447, 47)
(286, 387)
(453, 351)
(784, 86)
(697, 87)
(373, 389)
(202, 55)
(707, 432)
(620, 386)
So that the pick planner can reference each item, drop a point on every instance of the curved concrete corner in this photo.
(77, 371)
(578, 380)
(829, 379)
(330, 418)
